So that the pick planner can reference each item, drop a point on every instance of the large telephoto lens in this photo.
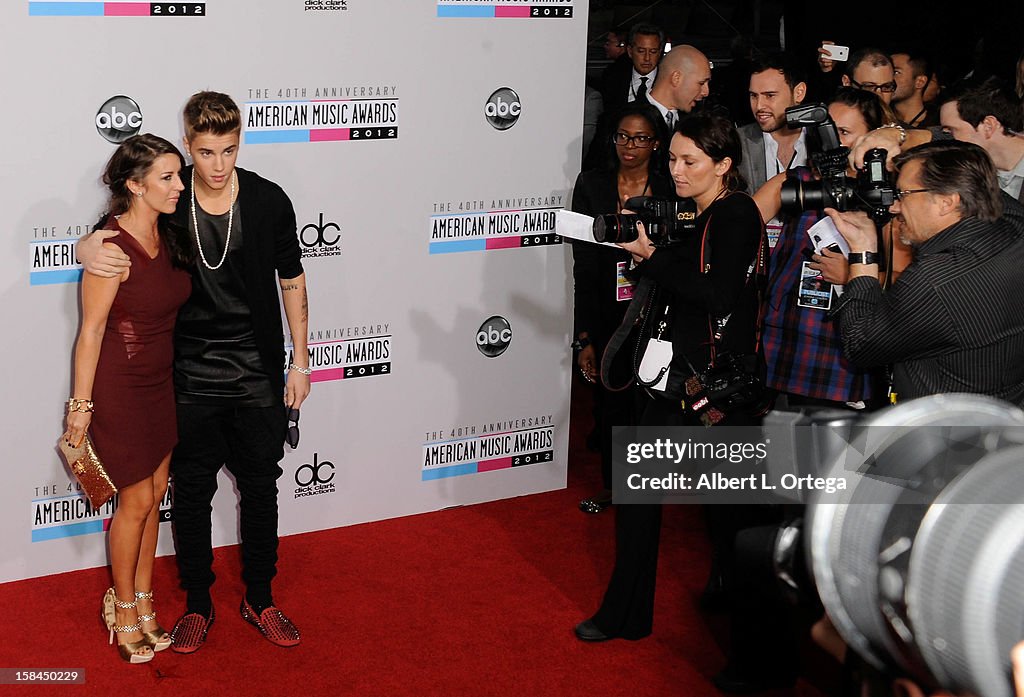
(615, 228)
(798, 196)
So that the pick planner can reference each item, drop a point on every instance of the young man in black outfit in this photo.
(229, 356)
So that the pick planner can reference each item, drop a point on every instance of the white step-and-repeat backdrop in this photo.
(425, 145)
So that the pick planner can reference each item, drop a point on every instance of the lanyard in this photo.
(790, 164)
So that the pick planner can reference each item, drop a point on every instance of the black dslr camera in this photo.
(871, 191)
(666, 221)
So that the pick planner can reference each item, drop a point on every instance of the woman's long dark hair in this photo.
(132, 161)
(658, 164)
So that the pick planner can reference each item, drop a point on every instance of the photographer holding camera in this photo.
(699, 302)
(802, 347)
(954, 322)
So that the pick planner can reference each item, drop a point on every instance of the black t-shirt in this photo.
(217, 358)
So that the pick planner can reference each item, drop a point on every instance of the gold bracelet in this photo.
(84, 406)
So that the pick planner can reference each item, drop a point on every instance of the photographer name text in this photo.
(716, 481)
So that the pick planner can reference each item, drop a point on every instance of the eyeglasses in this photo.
(906, 192)
(872, 87)
(638, 141)
(291, 436)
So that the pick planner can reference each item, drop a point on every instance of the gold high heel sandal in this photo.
(130, 649)
(158, 638)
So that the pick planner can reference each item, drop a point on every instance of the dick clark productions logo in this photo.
(494, 336)
(503, 108)
(119, 119)
(320, 239)
(318, 472)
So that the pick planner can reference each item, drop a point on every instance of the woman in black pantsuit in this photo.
(695, 291)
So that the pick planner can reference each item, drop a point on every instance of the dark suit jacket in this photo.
(615, 83)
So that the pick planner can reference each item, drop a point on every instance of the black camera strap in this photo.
(636, 315)
(758, 275)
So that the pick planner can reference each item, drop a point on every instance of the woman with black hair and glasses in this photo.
(634, 166)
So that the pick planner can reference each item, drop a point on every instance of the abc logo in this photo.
(494, 336)
(119, 119)
(503, 108)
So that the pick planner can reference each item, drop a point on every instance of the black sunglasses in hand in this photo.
(291, 436)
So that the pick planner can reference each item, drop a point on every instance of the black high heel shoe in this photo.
(598, 502)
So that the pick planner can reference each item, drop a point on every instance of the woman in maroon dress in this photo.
(123, 362)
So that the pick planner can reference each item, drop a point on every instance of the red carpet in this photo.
(471, 601)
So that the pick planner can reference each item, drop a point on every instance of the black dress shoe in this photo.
(588, 631)
(597, 503)
(737, 683)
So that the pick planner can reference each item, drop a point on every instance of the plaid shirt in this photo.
(802, 345)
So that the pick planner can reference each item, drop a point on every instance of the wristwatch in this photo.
(580, 343)
(862, 258)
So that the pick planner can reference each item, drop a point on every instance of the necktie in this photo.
(641, 91)
(670, 119)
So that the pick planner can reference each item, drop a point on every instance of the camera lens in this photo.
(606, 228)
(613, 227)
(798, 196)
(792, 195)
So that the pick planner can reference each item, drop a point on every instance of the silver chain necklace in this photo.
(231, 219)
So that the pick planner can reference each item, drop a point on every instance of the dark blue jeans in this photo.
(249, 442)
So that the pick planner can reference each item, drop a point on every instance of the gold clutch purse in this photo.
(88, 469)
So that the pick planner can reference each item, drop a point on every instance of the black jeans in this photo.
(250, 442)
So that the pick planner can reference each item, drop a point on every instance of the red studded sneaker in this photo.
(272, 623)
(189, 632)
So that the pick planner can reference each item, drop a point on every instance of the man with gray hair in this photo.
(954, 320)
(627, 81)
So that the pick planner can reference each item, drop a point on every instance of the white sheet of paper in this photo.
(823, 233)
(577, 226)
